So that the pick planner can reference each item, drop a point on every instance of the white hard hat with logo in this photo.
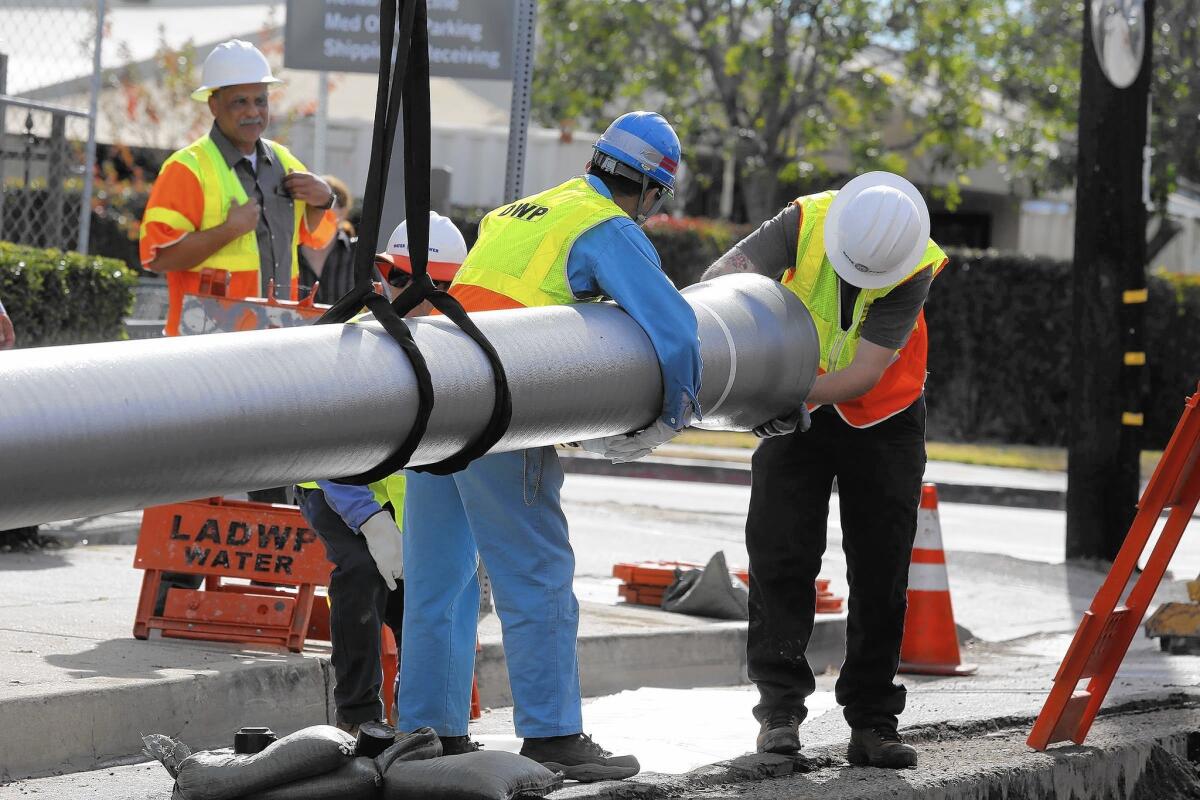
(230, 64)
(876, 230)
(447, 249)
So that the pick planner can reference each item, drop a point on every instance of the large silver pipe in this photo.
(91, 429)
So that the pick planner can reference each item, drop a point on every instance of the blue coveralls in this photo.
(507, 508)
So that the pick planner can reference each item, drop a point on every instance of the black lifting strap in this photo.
(408, 83)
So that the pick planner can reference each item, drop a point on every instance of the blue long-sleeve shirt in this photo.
(354, 504)
(617, 260)
(614, 259)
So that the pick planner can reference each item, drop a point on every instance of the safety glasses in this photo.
(401, 280)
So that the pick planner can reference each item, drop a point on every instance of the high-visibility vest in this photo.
(815, 282)
(220, 185)
(389, 490)
(523, 247)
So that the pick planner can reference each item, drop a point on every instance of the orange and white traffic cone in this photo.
(930, 645)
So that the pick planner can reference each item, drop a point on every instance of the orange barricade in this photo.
(228, 539)
(644, 583)
(1109, 624)
(221, 540)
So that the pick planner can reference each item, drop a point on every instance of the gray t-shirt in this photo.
(772, 248)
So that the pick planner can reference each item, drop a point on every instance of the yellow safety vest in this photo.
(815, 282)
(523, 247)
(220, 185)
(389, 490)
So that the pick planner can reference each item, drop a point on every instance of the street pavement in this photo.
(65, 618)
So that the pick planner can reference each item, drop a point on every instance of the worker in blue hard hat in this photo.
(573, 243)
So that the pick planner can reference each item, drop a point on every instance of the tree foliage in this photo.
(803, 90)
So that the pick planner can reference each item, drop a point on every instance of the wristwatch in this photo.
(332, 201)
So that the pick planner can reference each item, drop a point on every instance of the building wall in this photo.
(476, 156)
(1047, 228)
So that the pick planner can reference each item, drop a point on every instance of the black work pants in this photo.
(878, 471)
(359, 605)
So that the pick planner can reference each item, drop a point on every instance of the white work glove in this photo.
(386, 547)
(630, 446)
(785, 425)
(633, 446)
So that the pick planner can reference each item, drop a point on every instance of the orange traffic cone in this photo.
(390, 661)
(930, 645)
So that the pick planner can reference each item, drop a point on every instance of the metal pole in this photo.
(321, 124)
(56, 184)
(89, 160)
(3, 134)
(518, 119)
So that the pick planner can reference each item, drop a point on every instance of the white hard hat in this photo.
(230, 64)
(447, 248)
(876, 230)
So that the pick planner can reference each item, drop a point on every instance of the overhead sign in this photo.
(467, 38)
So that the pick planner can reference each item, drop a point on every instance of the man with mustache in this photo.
(232, 200)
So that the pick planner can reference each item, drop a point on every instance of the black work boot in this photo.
(578, 758)
(780, 733)
(457, 745)
(880, 746)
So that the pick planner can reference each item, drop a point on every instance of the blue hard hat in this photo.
(646, 142)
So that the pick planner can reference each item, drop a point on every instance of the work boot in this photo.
(457, 745)
(880, 746)
(578, 758)
(780, 733)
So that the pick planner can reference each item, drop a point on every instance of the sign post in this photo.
(518, 120)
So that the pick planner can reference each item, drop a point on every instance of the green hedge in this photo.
(63, 298)
(999, 350)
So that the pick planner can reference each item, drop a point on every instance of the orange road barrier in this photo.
(644, 583)
(210, 310)
(222, 540)
(930, 645)
(230, 539)
(1109, 624)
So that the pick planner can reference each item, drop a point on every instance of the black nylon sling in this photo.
(407, 84)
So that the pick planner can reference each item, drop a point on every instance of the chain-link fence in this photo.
(47, 71)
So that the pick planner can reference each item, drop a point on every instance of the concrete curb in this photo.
(683, 658)
(90, 727)
(738, 474)
(43, 734)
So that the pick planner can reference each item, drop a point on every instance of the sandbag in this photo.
(481, 775)
(416, 746)
(224, 775)
(710, 592)
(358, 779)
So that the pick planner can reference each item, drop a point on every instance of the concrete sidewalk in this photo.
(76, 688)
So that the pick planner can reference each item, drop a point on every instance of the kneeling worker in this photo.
(358, 525)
